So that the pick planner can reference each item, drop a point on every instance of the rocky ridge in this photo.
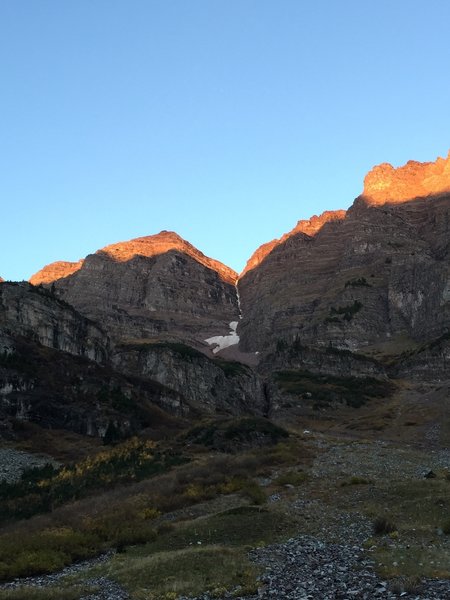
(152, 286)
(54, 271)
(36, 314)
(385, 184)
(308, 227)
(147, 246)
(363, 292)
(375, 279)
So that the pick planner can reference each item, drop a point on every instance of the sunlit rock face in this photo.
(55, 271)
(377, 277)
(308, 227)
(151, 286)
(385, 184)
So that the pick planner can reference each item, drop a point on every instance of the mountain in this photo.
(59, 369)
(374, 279)
(362, 293)
(172, 399)
(158, 285)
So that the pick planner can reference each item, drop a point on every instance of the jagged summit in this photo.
(152, 245)
(147, 246)
(382, 184)
(149, 286)
(54, 271)
(386, 184)
(309, 227)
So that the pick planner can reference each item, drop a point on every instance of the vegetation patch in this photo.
(204, 554)
(48, 593)
(41, 490)
(294, 478)
(18, 361)
(346, 312)
(383, 526)
(324, 390)
(189, 571)
(231, 368)
(122, 516)
(236, 434)
(243, 526)
(356, 480)
(357, 282)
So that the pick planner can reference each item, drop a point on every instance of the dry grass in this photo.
(48, 593)
(190, 571)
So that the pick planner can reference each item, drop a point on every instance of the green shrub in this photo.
(357, 282)
(355, 480)
(254, 492)
(382, 526)
(346, 312)
(291, 478)
(446, 527)
(231, 368)
(232, 435)
(354, 391)
(42, 490)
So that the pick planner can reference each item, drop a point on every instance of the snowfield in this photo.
(224, 341)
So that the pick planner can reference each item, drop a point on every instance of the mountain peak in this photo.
(309, 227)
(148, 246)
(160, 243)
(384, 183)
(54, 271)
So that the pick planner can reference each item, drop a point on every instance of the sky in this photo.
(226, 121)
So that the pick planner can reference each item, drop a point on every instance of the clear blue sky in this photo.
(224, 120)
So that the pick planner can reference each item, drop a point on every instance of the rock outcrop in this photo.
(309, 227)
(207, 385)
(376, 279)
(384, 184)
(36, 314)
(151, 286)
(54, 271)
(428, 362)
(57, 390)
(363, 293)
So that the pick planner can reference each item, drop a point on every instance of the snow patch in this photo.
(224, 341)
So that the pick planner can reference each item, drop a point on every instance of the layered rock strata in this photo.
(36, 314)
(374, 279)
(208, 385)
(151, 286)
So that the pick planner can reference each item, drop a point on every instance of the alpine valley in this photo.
(158, 409)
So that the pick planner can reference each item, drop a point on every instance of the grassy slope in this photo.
(213, 518)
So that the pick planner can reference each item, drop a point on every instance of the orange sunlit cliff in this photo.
(308, 227)
(54, 271)
(147, 246)
(385, 184)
